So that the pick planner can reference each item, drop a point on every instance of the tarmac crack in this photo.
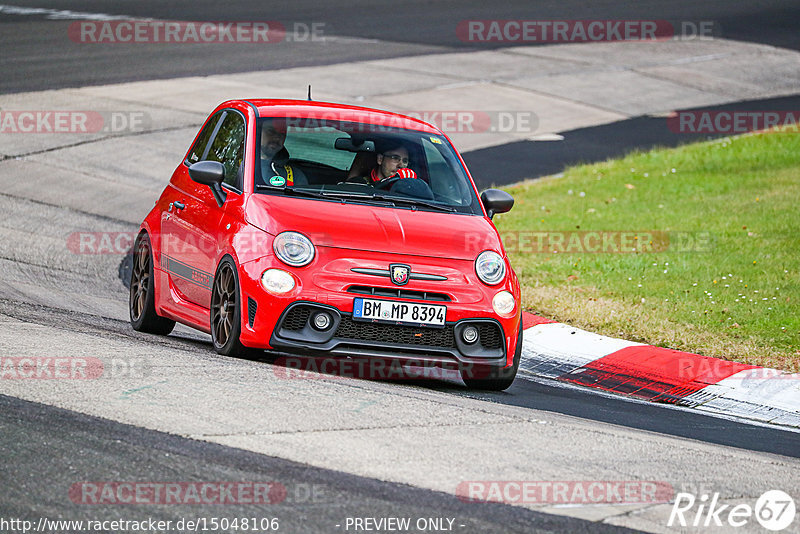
(514, 421)
(104, 218)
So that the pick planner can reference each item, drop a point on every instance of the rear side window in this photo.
(228, 148)
(199, 147)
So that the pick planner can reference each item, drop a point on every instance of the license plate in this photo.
(399, 312)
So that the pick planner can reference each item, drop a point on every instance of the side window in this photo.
(199, 147)
(228, 147)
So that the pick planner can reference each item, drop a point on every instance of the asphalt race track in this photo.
(386, 28)
(316, 500)
(170, 410)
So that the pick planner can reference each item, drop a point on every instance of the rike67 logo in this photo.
(774, 510)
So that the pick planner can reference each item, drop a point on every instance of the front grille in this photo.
(490, 336)
(297, 318)
(388, 333)
(393, 337)
(398, 293)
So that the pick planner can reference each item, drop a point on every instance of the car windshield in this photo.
(361, 163)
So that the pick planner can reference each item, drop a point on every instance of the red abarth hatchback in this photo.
(324, 229)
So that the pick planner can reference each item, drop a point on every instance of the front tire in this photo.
(226, 322)
(141, 303)
(494, 378)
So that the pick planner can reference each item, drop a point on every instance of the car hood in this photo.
(375, 228)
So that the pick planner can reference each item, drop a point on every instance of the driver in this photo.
(275, 166)
(392, 163)
(390, 170)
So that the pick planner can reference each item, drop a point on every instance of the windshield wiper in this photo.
(330, 195)
(290, 190)
(412, 202)
(341, 195)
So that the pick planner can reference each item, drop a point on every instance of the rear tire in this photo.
(494, 378)
(141, 303)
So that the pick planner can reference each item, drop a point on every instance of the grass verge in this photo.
(695, 248)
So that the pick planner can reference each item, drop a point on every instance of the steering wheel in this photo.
(388, 183)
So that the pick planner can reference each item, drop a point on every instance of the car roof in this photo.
(332, 111)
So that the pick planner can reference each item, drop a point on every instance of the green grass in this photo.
(725, 285)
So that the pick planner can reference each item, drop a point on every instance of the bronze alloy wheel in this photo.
(140, 279)
(226, 312)
(141, 303)
(223, 305)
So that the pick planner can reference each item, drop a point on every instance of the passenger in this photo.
(276, 169)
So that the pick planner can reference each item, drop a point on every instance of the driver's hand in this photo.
(405, 172)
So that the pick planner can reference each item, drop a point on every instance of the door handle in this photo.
(179, 205)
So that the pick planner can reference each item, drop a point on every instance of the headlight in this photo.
(293, 249)
(277, 281)
(490, 267)
(503, 304)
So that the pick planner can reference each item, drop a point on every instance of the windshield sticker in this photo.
(277, 181)
(436, 140)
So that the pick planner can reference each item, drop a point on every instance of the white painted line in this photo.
(547, 137)
(59, 14)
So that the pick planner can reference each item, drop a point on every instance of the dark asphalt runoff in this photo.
(53, 460)
(513, 162)
(38, 54)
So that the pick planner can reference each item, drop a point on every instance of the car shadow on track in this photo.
(295, 367)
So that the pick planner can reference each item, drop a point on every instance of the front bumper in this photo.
(295, 332)
(337, 276)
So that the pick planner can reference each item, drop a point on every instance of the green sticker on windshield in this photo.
(436, 140)
(277, 180)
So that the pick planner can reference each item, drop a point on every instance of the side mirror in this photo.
(496, 201)
(210, 173)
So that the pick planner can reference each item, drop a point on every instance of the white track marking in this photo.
(60, 14)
